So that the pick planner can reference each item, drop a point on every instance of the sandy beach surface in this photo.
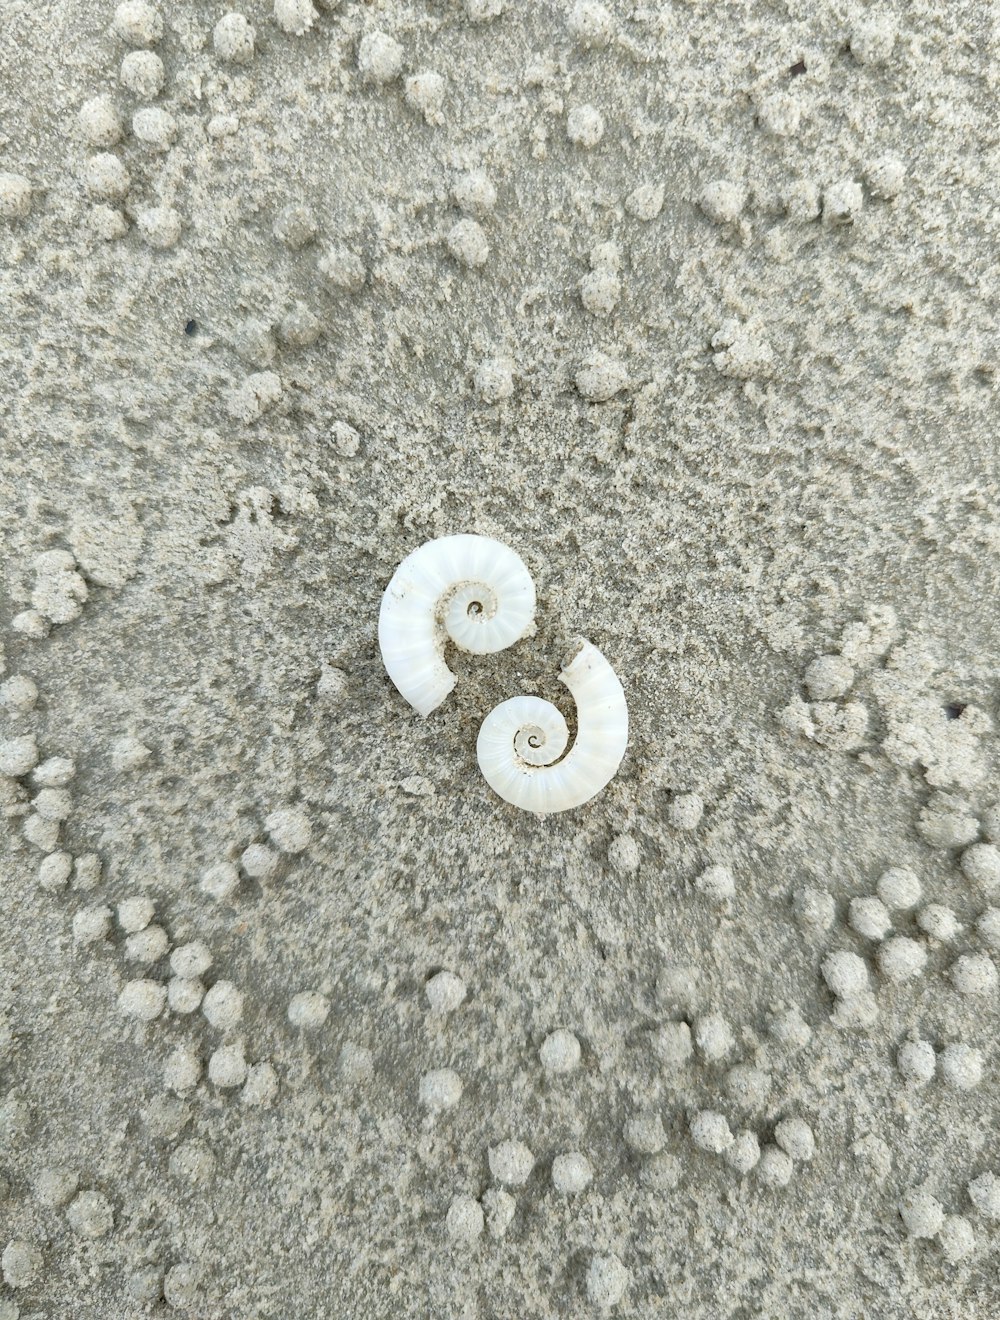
(695, 307)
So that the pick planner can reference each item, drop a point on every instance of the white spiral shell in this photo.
(521, 740)
(472, 588)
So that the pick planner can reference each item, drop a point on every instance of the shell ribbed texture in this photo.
(472, 588)
(530, 723)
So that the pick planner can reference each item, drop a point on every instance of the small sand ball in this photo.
(813, 907)
(18, 695)
(475, 193)
(645, 202)
(899, 889)
(511, 1163)
(774, 1168)
(716, 883)
(600, 291)
(624, 855)
(159, 227)
(259, 862)
(15, 196)
(223, 1005)
(356, 1063)
(962, 1066)
(54, 1186)
(424, 92)
(192, 959)
(41, 833)
(18, 756)
(916, 1062)
(795, 1137)
(91, 925)
(673, 1045)
(299, 328)
(947, 822)
(607, 1280)
(984, 1193)
(445, 992)
(790, 1029)
(900, 958)
(129, 754)
(974, 974)
(90, 1214)
(53, 803)
(380, 58)
(591, 23)
(493, 380)
(227, 1067)
(29, 623)
(467, 243)
(748, 1086)
(465, 1220)
(710, 1131)
(600, 378)
(988, 927)
(261, 1086)
(233, 39)
(845, 973)
(290, 830)
(483, 11)
(294, 16)
(295, 226)
(584, 126)
(872, 39)
(99, 123)
(192, 1162)
(220, 881)
(886, 177)
(440, 1089)
(744, 1154)
(154, 127)
(842, 202)
(560, 1051)
(137, 23)
(180, 1286)
(142, 73)
(54, 772)
(55, 870)
(957, 1238)
(859, 1012)
(722, 201)
(644, 1134)
(308, 1010)
(500, 1208)
(22, 1263)
(779, 114)
(869, 917)
(921, 1213)
(571, 1173)
(143, 1000)
(991, 822)
(981, 865)
(685, 811)
(938, 921)
(135, 913)
(343, 270)
(827, 677)
(713, 1036)
(147, 946)
(184, 994)
(182, 1070)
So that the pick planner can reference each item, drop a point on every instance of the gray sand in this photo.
(695, 307)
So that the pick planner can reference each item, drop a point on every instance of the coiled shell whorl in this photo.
(521, 740)
(473, 589)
